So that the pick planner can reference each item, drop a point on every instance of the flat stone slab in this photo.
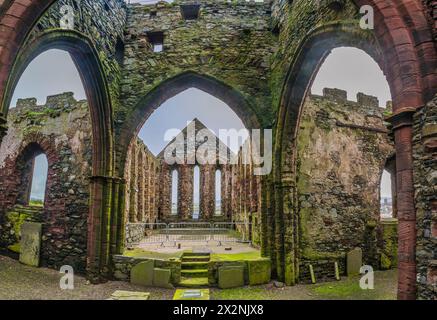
(30, 243)
(354, 261)
(142, 273)
(191, 294)
(129, 295)
(161, 278)
(230, 277)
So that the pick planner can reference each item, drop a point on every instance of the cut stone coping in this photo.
(129, 295)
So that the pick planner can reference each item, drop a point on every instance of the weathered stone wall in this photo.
(142, 175)
(245, 199)
(342, 147)
(293, 21)
(425, 183)
(231, 42)
(61, 129)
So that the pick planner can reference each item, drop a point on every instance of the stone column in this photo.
(133, 184)
(186, 192)
(152, 191)
(141, 179)
(403, 131)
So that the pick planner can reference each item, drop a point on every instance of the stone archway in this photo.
(407, 96)
(154, 99)
(89, 67)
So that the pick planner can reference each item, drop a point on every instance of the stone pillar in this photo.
(146, 189)
(186, 192)
(141, 179)
(103, 227)
(207, 194)
(402, 123)
(152, 191)
(133, 184)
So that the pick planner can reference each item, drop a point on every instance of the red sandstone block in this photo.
(17, 9)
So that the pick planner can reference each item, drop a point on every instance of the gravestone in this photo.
(30, 243)
(161, 278)
(354, 261)
(142, 273)
(129, 295)
(230, 277)
(191, 294)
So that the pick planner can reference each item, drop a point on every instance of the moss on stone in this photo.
(16, 247)
(259, 271)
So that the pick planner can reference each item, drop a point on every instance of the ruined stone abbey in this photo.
(321, 199)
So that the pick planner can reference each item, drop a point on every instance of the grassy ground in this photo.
(26, 283)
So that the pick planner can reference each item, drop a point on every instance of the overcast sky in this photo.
(54, 72)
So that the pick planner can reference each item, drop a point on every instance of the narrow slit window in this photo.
(386, 196)
(196, 193)
(39, 181)
(174, 192)
(156, 39)
(218, 193)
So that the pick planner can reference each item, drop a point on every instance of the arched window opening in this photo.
(196, 193)
(386, 195)
(39, 181)
(218, 193)
(340, 70)
(50, 73)
(174, 192)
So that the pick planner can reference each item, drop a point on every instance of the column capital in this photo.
(402, 118)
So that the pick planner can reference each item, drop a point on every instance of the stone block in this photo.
(162, 278)
(142, 273)
(191, 294)
(354, 261)
(230, 277)
(129, 295)
(259, 271)
(30, 243)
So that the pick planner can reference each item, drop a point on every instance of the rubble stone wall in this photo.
(61, 129)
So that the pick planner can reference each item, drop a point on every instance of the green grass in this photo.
(36, 203)
(140, 253)
(241, 294)
(349, 289)
(252, 255)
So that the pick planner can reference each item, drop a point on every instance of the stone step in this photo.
(194, 282)
(196, 259)
(28, 210)
(194, 265)
(194, 273)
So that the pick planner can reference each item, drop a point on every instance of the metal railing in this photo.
(221, 232)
